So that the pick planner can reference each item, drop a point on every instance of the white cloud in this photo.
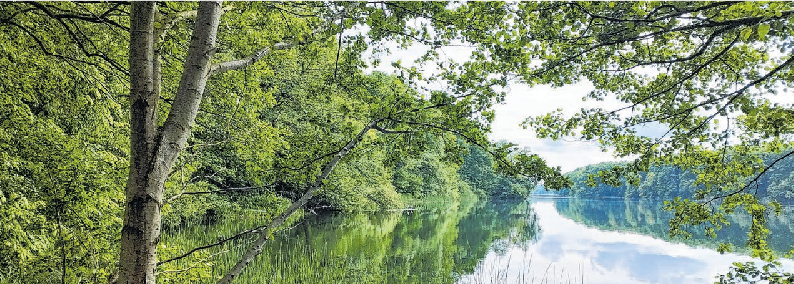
(523, 101)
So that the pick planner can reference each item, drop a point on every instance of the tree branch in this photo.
(231, 189)
(174, 18)
(245, 62)
(754, 180)
(732, 95)
(60, 19)
(194, 265)
(102, 19)
(222, 241)
(264, 235)
(389, 131)
(256, 56)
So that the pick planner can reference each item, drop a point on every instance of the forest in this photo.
(665, 182)
(120, 120)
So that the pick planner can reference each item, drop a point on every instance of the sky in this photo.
(523, 101)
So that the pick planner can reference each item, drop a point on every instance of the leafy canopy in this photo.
(706, 73)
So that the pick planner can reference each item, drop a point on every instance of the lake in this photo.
(538, 241)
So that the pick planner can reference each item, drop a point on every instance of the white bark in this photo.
(152, 153)
(242, 63)
(253, 58)
(183, 112)
(137, 257)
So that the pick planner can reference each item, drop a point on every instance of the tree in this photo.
(478, 171)
(704, 72)
(63, 142)
(176, 50)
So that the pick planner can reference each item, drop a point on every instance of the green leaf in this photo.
(763, 29)
(745, 33)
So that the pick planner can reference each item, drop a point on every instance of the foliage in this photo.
(265, 131)
(703, 72)
(478, 171)
(363, 184)
(63, 148)
(431, 173)
(750, 273)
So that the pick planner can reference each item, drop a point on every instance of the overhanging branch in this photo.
(256, 56)
(754, 180)
(390, 131)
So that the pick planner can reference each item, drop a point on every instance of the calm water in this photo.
(617, 241)
(542, 241)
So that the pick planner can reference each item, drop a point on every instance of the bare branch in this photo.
(225, 190)
(750, 183)
(194, 265)
(222, 241)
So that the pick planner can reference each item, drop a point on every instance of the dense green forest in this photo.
(261, 137)
(62, 185)
(119, 120)
(666, 182)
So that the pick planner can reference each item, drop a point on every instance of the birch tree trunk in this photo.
(153, 152)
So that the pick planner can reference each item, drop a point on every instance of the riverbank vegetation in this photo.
(437, 244)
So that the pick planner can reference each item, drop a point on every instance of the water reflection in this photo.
(604, 251)
(432, 245)
(647, 218)
(543, 241)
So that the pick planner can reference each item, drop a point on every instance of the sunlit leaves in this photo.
(685, 66)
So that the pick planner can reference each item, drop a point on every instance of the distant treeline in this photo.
(667, 182)
(646, 217)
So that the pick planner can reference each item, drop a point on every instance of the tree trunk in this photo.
(141, 231)
(152, 153)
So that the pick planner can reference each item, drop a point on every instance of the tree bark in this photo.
(152, 152)
(141, 231)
